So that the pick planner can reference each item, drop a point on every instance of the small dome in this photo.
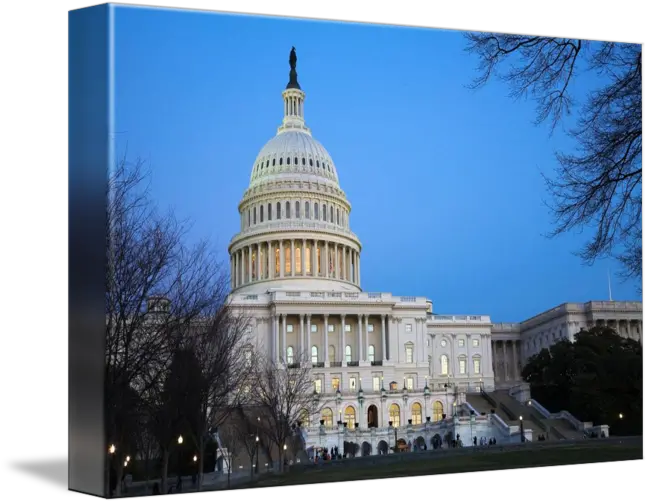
(293, 153)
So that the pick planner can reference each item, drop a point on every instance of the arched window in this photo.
(393, 415)
(350, 416)
(297, 259)
(324, 212)
(348, 353)
(315, 355)
(273, 162)
(326, 416)
(290, 354)
(298, 209)
(317, 164)
(280, 162)
(248, 218)
(277, 210)
(417, 413)
(316, 210)
(295, 160)
(288, 160)
(253, 265)
(268, 212)
(371, 353)
(277, 264)
(262, 213)
(287, 210)
(444, 365)
(331, 214)
(308, 260)
(311, 163)
(288, 260)
(303, 160)
(307, 210)
(331, 351)
(438, 410)
(338, 221)
(254, 215)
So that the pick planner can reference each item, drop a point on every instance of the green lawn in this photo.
(480, 461)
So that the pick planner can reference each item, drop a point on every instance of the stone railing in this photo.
(613, 305)
(565, 415)
(292, 225)
(364, 297)
(480, 319)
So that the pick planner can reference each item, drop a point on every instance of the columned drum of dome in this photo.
(294, 216)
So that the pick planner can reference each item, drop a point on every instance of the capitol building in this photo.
(386, 367)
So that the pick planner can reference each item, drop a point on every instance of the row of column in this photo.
(506, 360)
(294, 258)
(279, 336)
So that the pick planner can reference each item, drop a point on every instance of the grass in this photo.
(481, 461)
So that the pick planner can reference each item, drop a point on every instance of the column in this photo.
(231, 273)
(249, 265)
(275, 337)
(304, 244)
(490, 350)
(358, 268)
(515, 360)
(270, 261)
(336, 261)
(327, 261)
(258, 261)
(392, 337)
(367, 339)
(284, 337)
(432, 354)
(383, 337)
(234, 272)
(302, 347)
(343, 362)
(292, 265)
(327, 360)
(359, 317)
(309, 336)
(452, 366)
(469, 361)
(282, 259)
(504, 360)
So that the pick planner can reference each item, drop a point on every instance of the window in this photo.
(337, 217)
(280, 161)
(290, 328)
(316, 210)
(308, 260)
(287, 210)
(371, 327)
(317, 164)
(311, 163)
(444, 365)
(307, 210)
(462, 365)
(409, 327)
(393, 415)
(332, 214)
(273, 162)
(318, 385)
(289, 160)
(476, 365)
(288, 260)
(278, 212)
(393, 386)
(460, 343)
(335, 383)
(297, 207)
(277, 264)
(375, 383)
(254, 215)
(295, 160)
(297, 259)
(268, 212)
(314, 328)
(476, 342)
(324, 212)
(315, 355)
(409, 353)
(330, 328)
(410, 383)
(350, 416)
(417, 413)
(353, 383)
(326, 417)
(262, 213)
(371, 353)
(348, 328)
(290, 354)
(249, 217)
(303, 162)
(348, 353)
(438, 410)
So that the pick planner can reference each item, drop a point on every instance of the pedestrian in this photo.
(475, 441)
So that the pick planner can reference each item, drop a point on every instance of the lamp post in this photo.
(360, 404)
(180, 441)
(522, 431)
(427, 394)
(257, 448)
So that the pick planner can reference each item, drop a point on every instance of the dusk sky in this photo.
(445, 182)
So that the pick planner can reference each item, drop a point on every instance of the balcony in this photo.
(354, 363)
(460, 319)
(377, 363)
(335, 364)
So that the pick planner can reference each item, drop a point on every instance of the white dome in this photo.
(293, 154)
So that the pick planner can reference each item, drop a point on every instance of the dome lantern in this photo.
(294, 99)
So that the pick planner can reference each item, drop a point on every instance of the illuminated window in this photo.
(409, 327)
(288, 260)
(330, 328)
(460, 343)
(326, 417)
(348, 353)
(336, 382)
(308, 260)
(417, 413)
(393, 415)
(371, 353)
(277, 267)
(476, 342)
(290, 354)
(462, 365)
(438, 410)
(410, 383)
(297, 259)
(318, 260)
(253, 265)
(350, 416)
(371, 328)
(315, 356)
(393, 386)
(353, 383)
(290, 328)
(314, 328)
(476, 365)
(444, 365)
(409, 353)
(375, 383)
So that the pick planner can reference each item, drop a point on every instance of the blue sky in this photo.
(445, 182)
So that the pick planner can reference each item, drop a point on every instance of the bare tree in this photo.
(158, 289)
(222, 349)
(600, 184)
(282, 393)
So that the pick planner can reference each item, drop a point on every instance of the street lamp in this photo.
(621, 416)
(257, 447)
(180, 440)
(360, 403)
(522, 432)
(427, 394)
(455, 409)
(112, 449)
(127, 459)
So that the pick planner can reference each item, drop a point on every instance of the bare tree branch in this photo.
(599, 185)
